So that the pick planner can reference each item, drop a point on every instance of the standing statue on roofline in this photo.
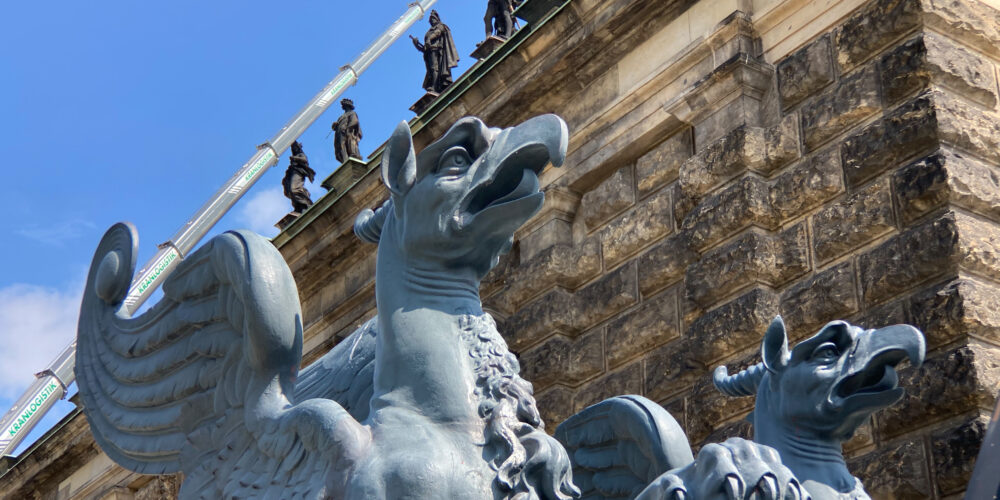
(440, 55)
(499, 18)
(294, 182)
(347, 133)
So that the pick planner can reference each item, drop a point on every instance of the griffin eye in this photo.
(826, 352)
(455, 161)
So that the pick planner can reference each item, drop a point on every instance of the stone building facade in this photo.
(729, 160)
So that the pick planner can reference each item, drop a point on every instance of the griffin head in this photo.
(459, 201)
(829, 384)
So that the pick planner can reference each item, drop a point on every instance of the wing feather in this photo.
(171, 389)
(620, 445)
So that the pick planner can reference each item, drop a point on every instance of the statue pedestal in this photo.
(421, 105)
(346, 175)
(487, 47)
(286, 220)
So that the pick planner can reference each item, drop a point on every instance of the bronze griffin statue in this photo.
(809, 401)
(425, 400)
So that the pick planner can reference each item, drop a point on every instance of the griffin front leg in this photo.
(734, 470)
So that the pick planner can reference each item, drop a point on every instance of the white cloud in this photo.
(59, 233)
(262, 210)
(36, 323)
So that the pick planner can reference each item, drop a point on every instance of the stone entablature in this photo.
(729, 160)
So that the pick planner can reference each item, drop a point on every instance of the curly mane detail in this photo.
(529, 463)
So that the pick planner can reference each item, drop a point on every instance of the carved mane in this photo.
(529, 463)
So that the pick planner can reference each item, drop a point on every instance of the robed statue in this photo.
(347, 133)
(294, 182)
(440, 54)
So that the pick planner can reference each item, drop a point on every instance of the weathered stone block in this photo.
(719, 161)
(610, 197)
(951, 383)
(608, 295)
(973, 184)
(966, 307)
(806, 185)
(639, 227)
(975, 23)
(560, 359)
(863, 437)
(660, 166)
(896, 471)
(552, 233)
(890, 313)
(774, 147)
(939, 312)
(762, 150)
(555, 404)
(665, 263)
(874, 27)
(654, 322)
(741, 428)
(853, 99)
(805, 72)
(907, 131)
(628, 380)
(968, 127)
(921, 186)
(159, 487)
(954, 453)
(909, 258)
(554, 312)
(860, 218)
(736, 325)
(566, 265)
(979, 246)
(824, 297)
(750, 258)
(932, 58)
(670, 369)
(708, 409)
(740, 205)
(544, 364)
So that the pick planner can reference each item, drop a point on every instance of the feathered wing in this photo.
(620, 445)
(345, 374)
(204, 381)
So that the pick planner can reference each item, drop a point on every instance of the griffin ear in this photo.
(399, 162)
(774, 349)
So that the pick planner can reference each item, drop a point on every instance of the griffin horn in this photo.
(743, 383)
(368, 224)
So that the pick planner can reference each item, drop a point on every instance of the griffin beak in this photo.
(872, 380)
(507, 172)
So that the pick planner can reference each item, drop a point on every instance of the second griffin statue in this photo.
(425, 400)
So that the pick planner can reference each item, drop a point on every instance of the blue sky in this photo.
(139, 111)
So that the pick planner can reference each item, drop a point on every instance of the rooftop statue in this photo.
(294, 182)
(440, 54)
(424, 401)
(499, 17)
(809, 401)
(347, 133)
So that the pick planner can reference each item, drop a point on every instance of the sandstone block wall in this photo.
(848, 171)
(868, 188)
